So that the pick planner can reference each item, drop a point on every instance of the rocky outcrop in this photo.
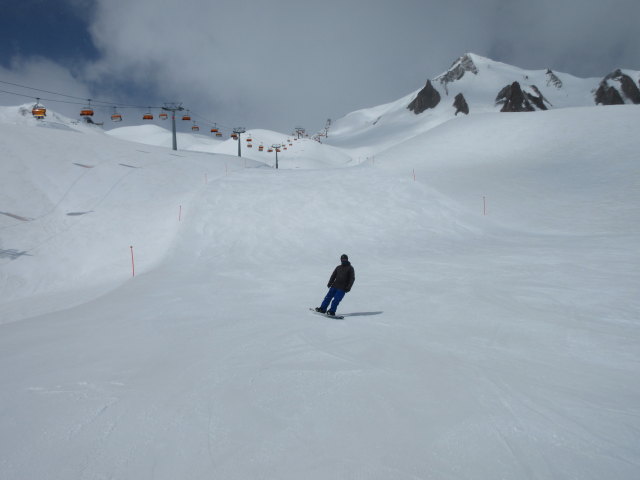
(513, 99)
(630, 90)
(615, 88)
(552, 79)
(427, 98)
(456, 72)
(538, 99)
(460, 104)
(607, 95)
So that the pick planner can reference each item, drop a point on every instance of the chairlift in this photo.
(38, 110)
(115, 116)
(195, 127)
(87, 111)
(163, 116)
(148, 115)
(186, 116)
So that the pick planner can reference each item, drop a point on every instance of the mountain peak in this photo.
(462, 65)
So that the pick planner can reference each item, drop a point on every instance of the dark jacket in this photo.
(342, 277)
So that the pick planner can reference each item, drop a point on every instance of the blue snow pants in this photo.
(337, 295)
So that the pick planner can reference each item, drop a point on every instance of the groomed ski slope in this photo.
(503, 345)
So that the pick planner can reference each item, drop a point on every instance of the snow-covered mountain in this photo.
(475, 84)
(153, 304)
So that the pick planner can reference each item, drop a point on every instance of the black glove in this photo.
(328, 285)
(347, 289)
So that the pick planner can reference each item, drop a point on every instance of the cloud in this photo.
(279, 63)
(282, 63)
(584, 38)
(42, 73)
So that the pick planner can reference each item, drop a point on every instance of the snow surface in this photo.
(493, 329)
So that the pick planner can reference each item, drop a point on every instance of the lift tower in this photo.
(239, 131)
(173, 108)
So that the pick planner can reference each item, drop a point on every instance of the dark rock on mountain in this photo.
(513, 99)
(460, 104)
(457, 71)
(630, 89)
(427, 98)
(552, 79)
(538, 99)
(608, 94)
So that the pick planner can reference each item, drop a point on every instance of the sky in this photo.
(283, 63)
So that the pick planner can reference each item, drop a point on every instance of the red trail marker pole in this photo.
(133, 264)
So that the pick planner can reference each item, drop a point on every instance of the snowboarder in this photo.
(340, 283)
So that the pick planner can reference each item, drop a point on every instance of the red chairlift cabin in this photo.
(115, 116)
(234, 136)
(163, 116)
(270, 150)
(186, 116)
(218, 134)
(195, 128)
(38, 111)
(87, 111)
(148, 115)
(260, 148)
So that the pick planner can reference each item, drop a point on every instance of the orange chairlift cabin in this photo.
(115, 116)
(38, 110)
(148, 115)
(87, 111)
(214, 129)
(163, 116)
(195, 128)
(234, 136)
(270, 150)
(186, 116)
(261, 148)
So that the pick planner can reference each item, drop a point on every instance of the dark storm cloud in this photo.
(281, 63)
(49, 28)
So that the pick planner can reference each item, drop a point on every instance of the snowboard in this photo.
(337, 317)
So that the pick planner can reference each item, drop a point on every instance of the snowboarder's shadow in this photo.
(360, 314)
